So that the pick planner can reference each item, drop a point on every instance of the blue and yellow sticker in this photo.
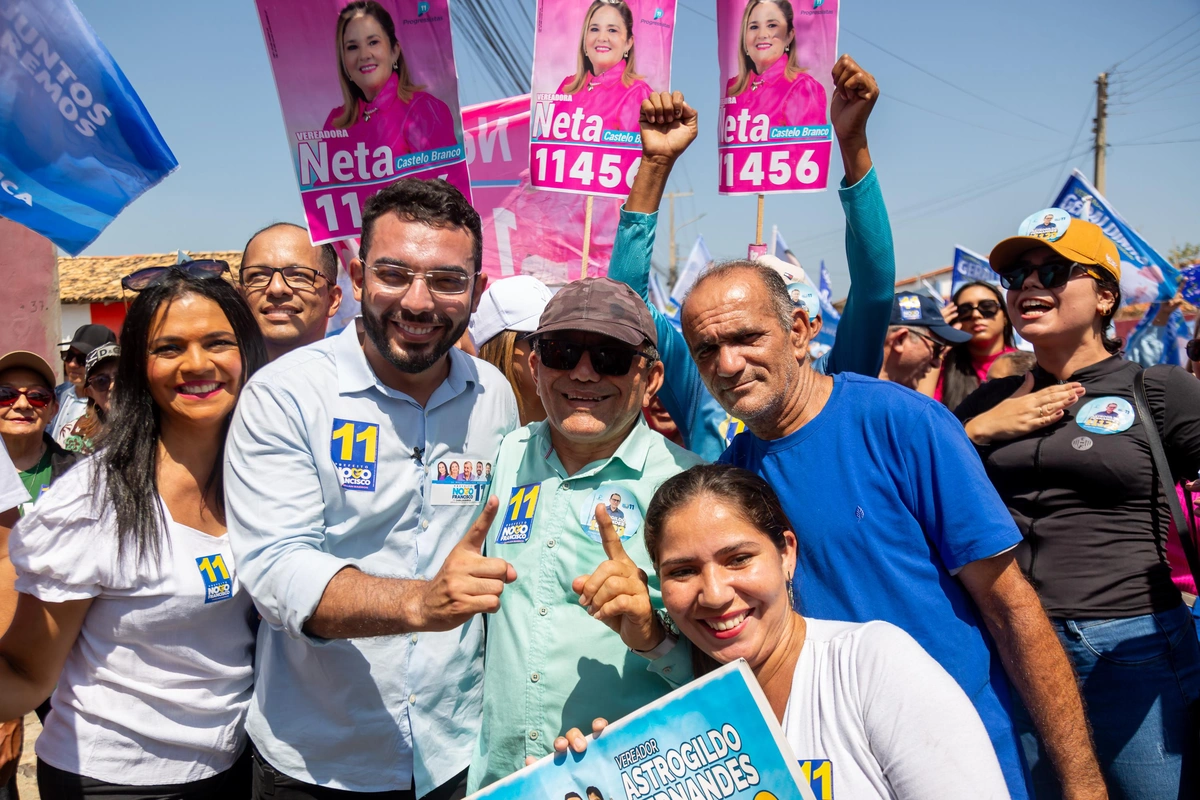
(1106, 415)
(354, 448)
(622, 507)
(217, 583)
(819, 774)
(518, 515)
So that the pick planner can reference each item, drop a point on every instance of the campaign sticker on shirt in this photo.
(217, 583)
(622, 509)
(805, 296)
(460, 481)
(1049, 224)
(729, 428)
(910, 307)
(819, 774)
(518, 515)
(354, 448)
(1106, 415)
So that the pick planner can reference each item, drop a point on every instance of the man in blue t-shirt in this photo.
(895, 516)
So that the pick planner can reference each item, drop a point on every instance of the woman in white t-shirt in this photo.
(129, 608)
(866, 697)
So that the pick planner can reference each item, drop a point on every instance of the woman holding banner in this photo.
(606, 83)
(864, 696)
(770, 79)
(382, 104)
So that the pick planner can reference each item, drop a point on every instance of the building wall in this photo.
(110, 315)
(73, 316)
(29, 303)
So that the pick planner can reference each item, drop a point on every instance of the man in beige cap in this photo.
(550, 667)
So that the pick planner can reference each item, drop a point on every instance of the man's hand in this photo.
(468, 582)
(668, 127)
(617, 594)
(854, 95)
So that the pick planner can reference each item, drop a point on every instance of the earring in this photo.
(787, 49)
(791, 592)
(396, 67)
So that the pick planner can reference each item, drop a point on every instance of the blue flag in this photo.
(76, 143)
(1145, 275)
(828, 313)
(970, 266)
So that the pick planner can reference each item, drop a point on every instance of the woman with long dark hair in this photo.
(1070, 453)
(130, 611)
(978, 309)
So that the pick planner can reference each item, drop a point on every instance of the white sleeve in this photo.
(65, 548)
(922, 728)
(12, 491)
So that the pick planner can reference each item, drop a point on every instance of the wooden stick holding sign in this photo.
(587, 236)
(758, 227)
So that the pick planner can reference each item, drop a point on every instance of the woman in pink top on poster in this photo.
(605, 83)
(770, 79)
(382, 104)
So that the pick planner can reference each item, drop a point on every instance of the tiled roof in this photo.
(97, 279)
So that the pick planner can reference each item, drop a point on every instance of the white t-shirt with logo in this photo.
(890, 720)
(155, 688)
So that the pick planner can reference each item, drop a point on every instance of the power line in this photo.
(1160, 133)
(1165, 33)
(1162, 56)
(1158, 75)
(1146, 144)
(957, 119)
(1087, 107)
(940, 79)
(697, 12)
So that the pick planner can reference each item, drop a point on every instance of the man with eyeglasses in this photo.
(916, 338)
(290, 285)
(369, 668)
(549, 667)
(71, 394)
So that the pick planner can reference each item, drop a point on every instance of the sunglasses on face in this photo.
(101, 383)
(1052, 275)
(1193, 350)
(145, 278)
(74, 357)
(36, 397)
(937, 348)
(613, 360)
(986, 308)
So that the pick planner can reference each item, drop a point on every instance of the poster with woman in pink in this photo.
(776, 59)
(594, 62)
(369, 94)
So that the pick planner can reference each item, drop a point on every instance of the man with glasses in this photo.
(72, 399)
(916, 338)
(369, 668)
(290, 285)
(549, 667)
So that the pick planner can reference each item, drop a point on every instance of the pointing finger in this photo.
(477, 533)
(609, 536)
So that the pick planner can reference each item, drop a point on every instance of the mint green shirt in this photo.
(548, 665)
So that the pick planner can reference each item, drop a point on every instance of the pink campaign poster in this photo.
(776, 61)
(594, 62)
(527, 232)
(369, 95)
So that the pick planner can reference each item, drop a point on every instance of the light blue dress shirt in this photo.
(321, 474)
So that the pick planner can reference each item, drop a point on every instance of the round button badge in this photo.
(1105, 415)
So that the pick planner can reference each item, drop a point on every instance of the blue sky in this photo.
(960, 169)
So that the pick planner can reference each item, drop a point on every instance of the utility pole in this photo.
(1100, 129)
(672, 272)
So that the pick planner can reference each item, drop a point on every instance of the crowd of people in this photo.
(245, 559)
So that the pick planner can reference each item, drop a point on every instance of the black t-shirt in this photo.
(1084, 490)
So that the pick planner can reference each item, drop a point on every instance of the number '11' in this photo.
(528, 497)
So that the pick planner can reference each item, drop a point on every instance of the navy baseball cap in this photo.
(912, 310)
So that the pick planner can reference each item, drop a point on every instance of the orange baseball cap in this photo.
(1075, 239)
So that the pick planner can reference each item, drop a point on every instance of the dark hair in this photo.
(592, 790)
(958, 370)
(435, 203)
(326, 255)
(777, 290)
(1111, 284)
(128, 450)
(1020, 359)
(569, 795)
(744, 492)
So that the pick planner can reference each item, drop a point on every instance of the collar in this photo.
(355, 374)
(609, 76)
(632, 452)
(774, 73)
(1103, 367)
(386, 97)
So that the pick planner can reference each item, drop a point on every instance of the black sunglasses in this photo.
(1193, 350)
(986, 308)
(145, 278)
(1051, 275)
(73, 356)
(607, 359)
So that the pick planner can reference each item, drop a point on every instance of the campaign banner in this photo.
(1190, 278)
(699, 260)
(969, 266)
(715, 737)
(585, 136)
(527, 232)
(369, 96)
(76, 144)
(1145, 275)
(776, 62)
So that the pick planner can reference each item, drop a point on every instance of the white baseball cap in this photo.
(511, 304)
(791, 273)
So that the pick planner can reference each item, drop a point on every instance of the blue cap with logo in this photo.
(912, 310)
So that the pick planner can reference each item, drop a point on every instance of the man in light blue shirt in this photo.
(369, 672)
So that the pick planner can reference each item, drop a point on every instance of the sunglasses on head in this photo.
(607, 359)
(986, 308)
(1052, 275)
(101, 383)
(36, 397)
(145, 278)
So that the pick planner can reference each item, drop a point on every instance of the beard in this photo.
(412, 363)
